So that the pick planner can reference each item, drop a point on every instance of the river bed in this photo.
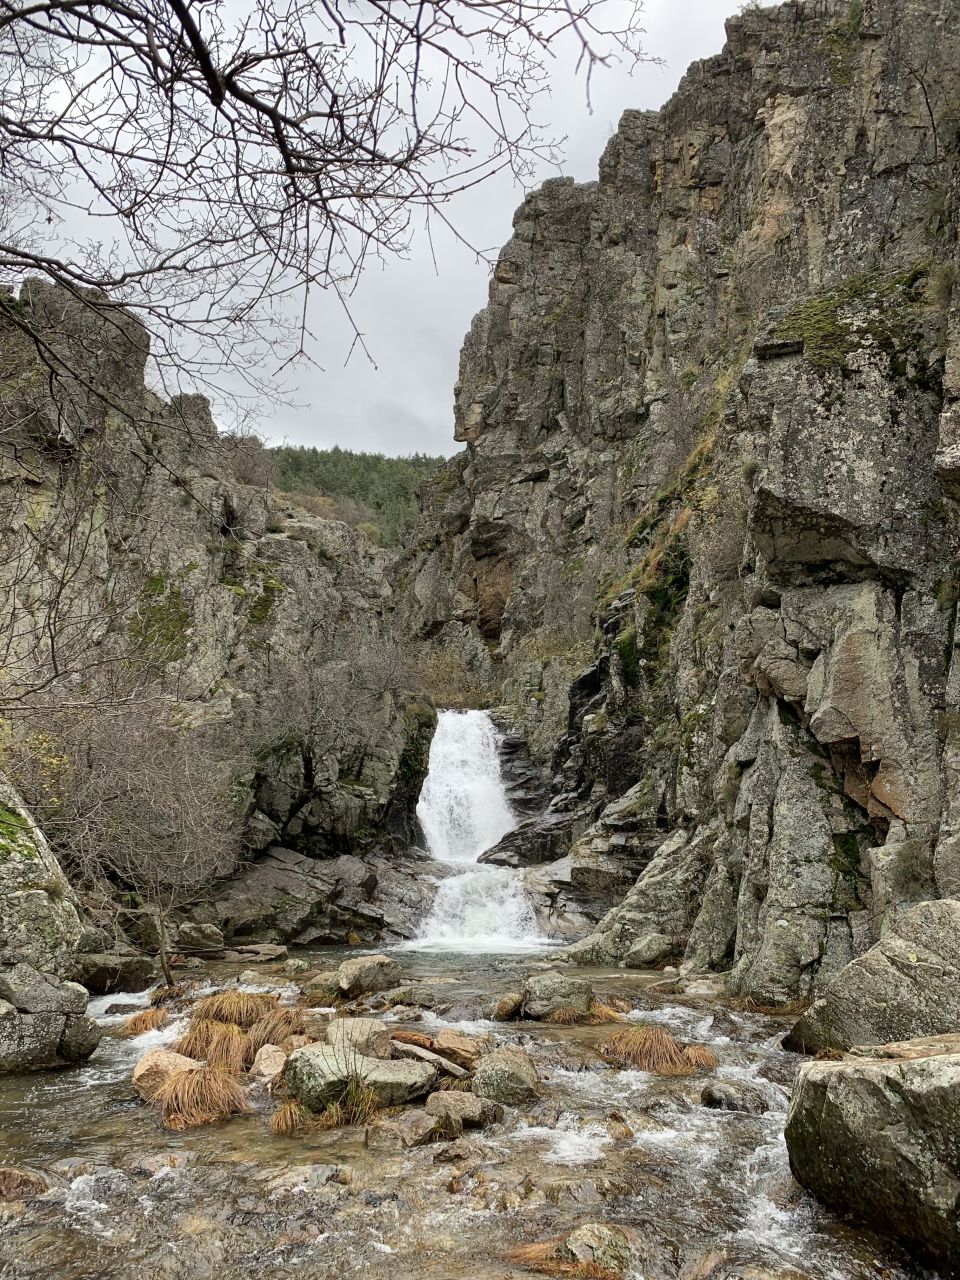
(707, 1193)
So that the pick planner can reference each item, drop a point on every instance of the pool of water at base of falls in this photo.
(704, 1193)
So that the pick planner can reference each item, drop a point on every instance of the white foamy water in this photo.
(463, 811)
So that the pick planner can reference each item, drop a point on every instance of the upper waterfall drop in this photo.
(463, 811)
(463, 807)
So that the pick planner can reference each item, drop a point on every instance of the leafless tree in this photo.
(131, 801)
(206, 166)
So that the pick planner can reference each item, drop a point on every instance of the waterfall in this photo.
(463, 810)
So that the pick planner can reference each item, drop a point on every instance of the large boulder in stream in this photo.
(365, 975)
(906, 985)
(319, 1073)
(876, 1137)
(43, 1021)
(552, 992)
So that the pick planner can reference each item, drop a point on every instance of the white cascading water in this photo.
(463, 811)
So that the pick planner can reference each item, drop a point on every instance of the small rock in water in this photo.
(268, 1064)
(546, 994)
(295, 966)
(155, 1065)
(727, 1095)
(470, 1110)
(18, 1184)
(597, 1244)
(508, 1076)
(507, 1007)
(463, 1049)
(366, 974)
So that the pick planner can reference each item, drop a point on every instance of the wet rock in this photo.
(323, 984)
(199, 937)
(20, 1184)
(469, 1109)
(106, 972)
(368, 974)
(257, 953)
(42, 1021)
(404, 1049)
(730, 1095)
(544, 994)
(597, 1244)
(507, 1007)
(417, 1128)
(366, 1036)
(463, 1049)
(153, 1068)
(907, 985)
(295, 967)
(268, 1064)
(318, 1074)
(507, 1075)
(877, 1139)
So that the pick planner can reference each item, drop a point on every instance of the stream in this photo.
(706, 1194)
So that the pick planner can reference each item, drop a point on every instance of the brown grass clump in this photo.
(229, 1048)
(231, 1005)
(601, 1012)
(196, 1040)
(648, 1048)
(288, 1118)
(567, 1016)
(412, 1037)
(318, 1000)
(829, 1055)
(170, 995)
(542, 1259)
(187, 1099)
(145, 1020)
(792, 1009)
(356, 1105)
(455, 1084)
(274, 1027)
(700, 1057)
(15, 1184)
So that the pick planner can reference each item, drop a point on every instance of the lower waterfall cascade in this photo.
(463, 810)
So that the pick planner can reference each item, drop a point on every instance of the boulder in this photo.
(43, 1021)
(404, 1049)
(598, 1245)
(268, 1064)
(907, 985)
(106, 972)
(318, 1074)
(417, 1128)
(19, 1184)
(544, 994)
(199, 937)
(366, 974)
(155, 1065)
(463, 1049)
(365, 1036)
(876, 1138)
(507, 1006)
(734, 1095)
(467, 1109)
(508, 1076)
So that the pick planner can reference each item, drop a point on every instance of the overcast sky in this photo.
(414, 314)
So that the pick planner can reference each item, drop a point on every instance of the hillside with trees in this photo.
(367, 489)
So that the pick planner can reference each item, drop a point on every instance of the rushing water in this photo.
(464, 811)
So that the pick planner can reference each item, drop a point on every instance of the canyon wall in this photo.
(701, 544)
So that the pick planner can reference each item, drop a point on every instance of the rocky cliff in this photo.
(143, 571)
(702, 541)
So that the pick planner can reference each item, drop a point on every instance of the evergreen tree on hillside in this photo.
(362, 487)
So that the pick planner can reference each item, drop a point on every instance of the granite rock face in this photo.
(876, 1136)
(702, 540)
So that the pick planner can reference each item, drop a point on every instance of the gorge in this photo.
(649, 728)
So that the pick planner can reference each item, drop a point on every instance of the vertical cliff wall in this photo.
(702, 541)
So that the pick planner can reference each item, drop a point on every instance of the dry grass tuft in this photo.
(196, 1040)
(792, 1009)
(187, 1099)
(231, 1005)
(566, 1016)
(601, 1012)
(274, 1027)
(649, 1048)
(454, 1084)
(170, 995)
(288, 1119)
(229, 1048)
(412, 1037)
(542, 1259)
(829, 1055)
(356, 1105)
(700, 1057)
(145, 1020)
(318, 1000)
